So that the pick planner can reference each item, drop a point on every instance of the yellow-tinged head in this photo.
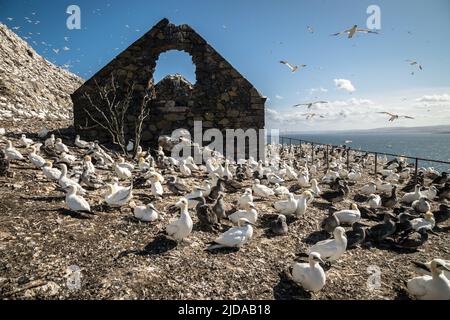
(354, 206)
(87, 158)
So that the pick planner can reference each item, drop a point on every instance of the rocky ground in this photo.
(122, 258)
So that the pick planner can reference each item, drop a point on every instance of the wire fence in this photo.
(416, 160)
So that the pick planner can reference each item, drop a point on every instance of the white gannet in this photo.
(368, 189)
(354, 176)
(226, 170)
(156, 186)
(24, 141)
(331, 249)
(121, 163)
(315, 187)
(425, 268)
(274, 179)
(245, 199)
(427, 222)
(35, 159)
(181, 228)
(353, 30)
(262, 190)
(288, 206)
(60, 146)
(349, 216)
(310, 275)
(248, 213)
(434, 287)
(143, 165)
(122, 172)
(302, 203)
(76, 202)
(2, 131)
(280, 190)
(422, 205)
(146, 213)
(88, 165)
(303, 180)
(196, 193)
(65, 181)
(383, 187)
(50, 172)
(118, 197)
(12, 153)
(67, 158)
(81, 143)
(374, 201)
(235, 237)
(431, 193)
(412, 196)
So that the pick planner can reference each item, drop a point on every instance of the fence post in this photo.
(348, 159)
(312, 153)
(328, 164)
(376, 164)
(415, 170)
(290, 141)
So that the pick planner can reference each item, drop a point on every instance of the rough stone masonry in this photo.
(222, 98)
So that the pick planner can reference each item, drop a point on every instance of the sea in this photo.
(435, 146)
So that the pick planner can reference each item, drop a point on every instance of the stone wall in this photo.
(222, 98)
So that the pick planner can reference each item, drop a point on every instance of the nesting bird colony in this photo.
(148, 226)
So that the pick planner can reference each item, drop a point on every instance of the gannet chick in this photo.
(331, 249)
(248, 213)
(43, 133)
(25, 142)
(207, 218)
(11, 153)
(235, 237)
(156, 187)
(219, 207)
(181, 228)
(36, 159)
(434, 287)
(118, 197)
(60, 146)
(76, 202)
(81, 143)
(310, 275)
(176, 187)
(279, 226)
(146, 213)
(245, 199)
(50, 142)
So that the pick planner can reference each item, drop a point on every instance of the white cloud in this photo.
(313, 90)
(344, 84)
(279, 97)
(434, 98)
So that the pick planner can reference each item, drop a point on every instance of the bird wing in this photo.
(407, 117)
(300, 104)
(231, 238)
(388, 113)
(366, 31)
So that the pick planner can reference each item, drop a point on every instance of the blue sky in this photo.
(253, 35)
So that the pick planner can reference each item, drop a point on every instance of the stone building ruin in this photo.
(221, 97)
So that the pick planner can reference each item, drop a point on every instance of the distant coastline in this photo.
(440, 129)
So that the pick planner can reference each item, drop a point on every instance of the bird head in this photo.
(315, 256)
(244, 222)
